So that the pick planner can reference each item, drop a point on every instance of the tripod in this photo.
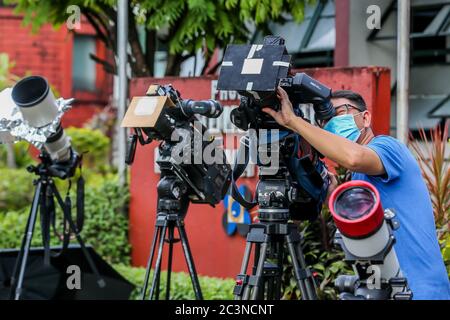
(269, 237)
(43, 201)
(173, 203)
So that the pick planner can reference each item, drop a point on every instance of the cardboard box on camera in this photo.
(146, 111)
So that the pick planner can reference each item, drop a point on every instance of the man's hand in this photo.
(333, 185)
(285, 115)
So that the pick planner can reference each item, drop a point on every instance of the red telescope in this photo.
(356, 209)
(366, 236)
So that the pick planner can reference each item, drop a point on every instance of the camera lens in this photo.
(30, 91)
(354, 203)
(35, 100)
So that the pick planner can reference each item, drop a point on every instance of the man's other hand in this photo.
(333, 185)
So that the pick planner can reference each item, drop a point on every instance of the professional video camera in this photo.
(255, 72)
(162, 115)
(296, 186)
(186, 174)
(30, 112)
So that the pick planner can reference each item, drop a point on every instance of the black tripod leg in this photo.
(280, 269)
(169, 260)
(150, 262)
(26, 243)
(259, 272)
(18, 261)
(244, 267)
(298, 261)
(309, 281)
(189, 260)
(155, 280)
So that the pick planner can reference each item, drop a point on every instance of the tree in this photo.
(184, 26)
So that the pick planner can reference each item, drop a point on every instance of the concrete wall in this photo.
(362, 52)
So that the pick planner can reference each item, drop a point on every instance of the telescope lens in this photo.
(30, 91)
(354, 203)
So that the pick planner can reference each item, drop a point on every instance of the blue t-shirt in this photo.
(403, 189)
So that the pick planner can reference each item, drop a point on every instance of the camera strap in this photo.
(80, 198)
(240, 164)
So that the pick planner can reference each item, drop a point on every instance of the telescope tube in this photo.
(37, 104)
(358, 215)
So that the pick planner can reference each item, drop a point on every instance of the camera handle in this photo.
(132, 144)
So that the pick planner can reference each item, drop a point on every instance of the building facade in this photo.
(61, 56)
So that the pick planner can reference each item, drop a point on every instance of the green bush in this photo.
(105, 227)
(320, 255)
(181, 286)
(16, 189)
(94, 145)
(445, 249)
(22, 154)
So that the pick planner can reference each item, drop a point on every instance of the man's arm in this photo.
(348, 154)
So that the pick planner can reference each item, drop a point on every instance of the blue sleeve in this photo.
(391, 153)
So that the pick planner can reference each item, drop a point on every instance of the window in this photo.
(83, 67)
(428, 38)
(311, 43)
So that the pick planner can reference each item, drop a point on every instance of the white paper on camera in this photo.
(146, 106)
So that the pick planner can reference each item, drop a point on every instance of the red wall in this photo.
(49, 53)
(215, 253)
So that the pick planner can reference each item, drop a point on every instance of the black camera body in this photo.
(255, 72)
(206, 182)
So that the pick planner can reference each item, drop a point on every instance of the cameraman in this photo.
(348, 140)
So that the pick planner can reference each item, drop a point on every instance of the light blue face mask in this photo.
(344, 126)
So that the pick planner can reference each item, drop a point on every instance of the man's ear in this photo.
(367, 119)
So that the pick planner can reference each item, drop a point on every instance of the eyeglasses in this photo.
(340, 110)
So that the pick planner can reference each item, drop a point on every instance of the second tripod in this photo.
(271, 237)
(172, 207)
(265, 280)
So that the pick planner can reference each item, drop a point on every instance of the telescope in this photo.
(30, 112)
(366, 235)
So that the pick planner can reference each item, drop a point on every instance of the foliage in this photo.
(16, 189)
(105, 226)
(107, 229)
(445, 245)
(184, 26)
(22, 156)
(7, 79)
(181, 286)
(94, 146)
(436, 171)
(320, 254)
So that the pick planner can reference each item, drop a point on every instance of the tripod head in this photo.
(56, 169)
(293, 179)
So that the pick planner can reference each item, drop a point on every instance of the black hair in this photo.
(352, 96)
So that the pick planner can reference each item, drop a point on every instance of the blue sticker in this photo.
(235, 214)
